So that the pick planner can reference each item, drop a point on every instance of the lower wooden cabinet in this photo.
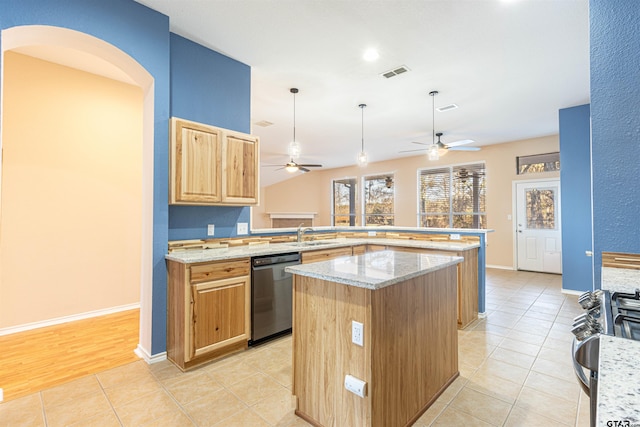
(208, 310)
(325, 254)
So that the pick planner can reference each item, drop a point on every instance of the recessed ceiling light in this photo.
(370, 55)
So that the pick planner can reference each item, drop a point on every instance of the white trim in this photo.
(571, 292)
(150, 359)
(482, 315)
(66, 319)
(500, 267)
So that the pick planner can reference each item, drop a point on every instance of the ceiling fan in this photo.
(452, 146)
(291, 166)
(294, 147)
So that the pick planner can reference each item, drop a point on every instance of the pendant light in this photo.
(362, 157)
(434, 152)
(294, 147)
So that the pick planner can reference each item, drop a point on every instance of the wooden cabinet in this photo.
(212, 166)
(208, 310)
(467, 280)
(325, 254)
(359, 250)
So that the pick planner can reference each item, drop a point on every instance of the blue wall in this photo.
(575, 182)
(615, 126)
(144, 35)
(210, 88)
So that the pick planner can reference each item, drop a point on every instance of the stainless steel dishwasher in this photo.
(271, 296)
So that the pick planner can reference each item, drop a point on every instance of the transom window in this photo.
(536, 163)
(452, 197)
(378, 200)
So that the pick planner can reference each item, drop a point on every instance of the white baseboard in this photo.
(482, 315)
(571, 292)
(66, 319)
(500, 267)
(150, 359)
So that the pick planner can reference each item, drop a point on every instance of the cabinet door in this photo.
(220, 314)
(195, 162)
(240, 173)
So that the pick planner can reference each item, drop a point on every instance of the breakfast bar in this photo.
(386, 322)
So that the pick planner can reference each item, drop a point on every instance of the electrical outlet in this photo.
(357, 333)
(372, 233)
(243, 228)
(454, 236)
(211, 229)
(355, 385)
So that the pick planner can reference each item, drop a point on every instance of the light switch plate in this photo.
(454, 236)
(211, 229)
(371, 233)
(1, 395)
(243, 228)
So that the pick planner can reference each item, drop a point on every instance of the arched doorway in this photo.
(87, 53)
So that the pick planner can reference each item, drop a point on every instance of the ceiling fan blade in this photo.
(269, 166)
(310, 165)
(303, 169)
(411, 151)
(461, 142)
(421, 143)
(464, 148)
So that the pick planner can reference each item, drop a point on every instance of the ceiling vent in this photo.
(447, 108)
(396, 71)
(263, 123)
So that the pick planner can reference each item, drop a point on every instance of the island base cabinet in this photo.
(409, 356)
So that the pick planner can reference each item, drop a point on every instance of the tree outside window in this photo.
(344, 202)
(379, 200)
(453, 197)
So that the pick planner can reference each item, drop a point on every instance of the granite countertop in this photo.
(620, 279)
(619, 361)
(219, 254)
(374, 270)
(618, 381)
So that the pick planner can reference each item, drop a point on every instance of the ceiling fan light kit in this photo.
(362, 157)
(434, 151)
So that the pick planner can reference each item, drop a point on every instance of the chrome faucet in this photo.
(301, 231)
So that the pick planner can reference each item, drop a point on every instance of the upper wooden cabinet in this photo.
(212, 166)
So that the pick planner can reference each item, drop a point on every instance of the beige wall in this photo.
(70, 225)
(312, 191)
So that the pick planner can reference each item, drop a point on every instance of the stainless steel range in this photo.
(610, 313)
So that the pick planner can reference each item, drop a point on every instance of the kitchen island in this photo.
(406, 305)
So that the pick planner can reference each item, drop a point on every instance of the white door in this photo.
(538, 234)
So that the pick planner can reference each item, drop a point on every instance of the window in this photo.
(538, 163)
(378, 200)
(541, 208)
(344, 202)
(453, 196)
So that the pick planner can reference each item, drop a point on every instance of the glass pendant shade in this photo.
(294, 150)
(362, 159)
(433, 152)
(291, 169)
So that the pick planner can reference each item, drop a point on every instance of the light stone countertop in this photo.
(620, 280)
(618, 382)
(619, 362)
(374, 270)
(218, 254)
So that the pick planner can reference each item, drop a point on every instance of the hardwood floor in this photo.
(35, 360)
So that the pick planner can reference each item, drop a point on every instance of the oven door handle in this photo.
(584, 381)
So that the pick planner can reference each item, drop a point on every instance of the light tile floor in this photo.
(515, 370)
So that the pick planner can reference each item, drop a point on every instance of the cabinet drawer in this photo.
(220, 270)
